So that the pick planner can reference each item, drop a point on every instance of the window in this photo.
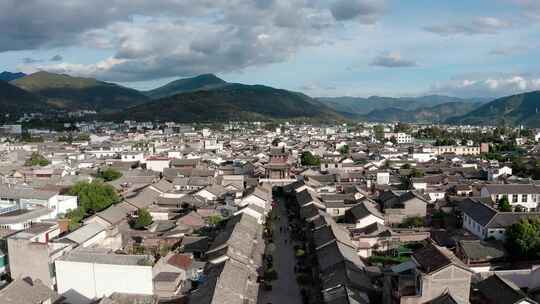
(514, 198)
(524, 198)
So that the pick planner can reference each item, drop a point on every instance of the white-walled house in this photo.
(19, 198)
(517, 194)
(485, 222)
(364, 214)
(256, 196)
(86, 275)
(131, 156)
(157, 164)
(495, 173)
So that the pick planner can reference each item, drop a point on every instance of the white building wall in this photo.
(92, 281)
(477, 229)
(206, 195)
(368, 220)
(157, 165)
(253, 199)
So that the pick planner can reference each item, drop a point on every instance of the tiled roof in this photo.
(182, 261)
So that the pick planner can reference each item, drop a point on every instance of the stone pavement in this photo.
(285, 289)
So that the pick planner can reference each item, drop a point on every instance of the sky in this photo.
(463, 48)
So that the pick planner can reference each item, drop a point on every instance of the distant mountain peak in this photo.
(10, 76)
(515, 109)
(201, 82)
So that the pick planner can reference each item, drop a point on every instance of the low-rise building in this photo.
(84, 275)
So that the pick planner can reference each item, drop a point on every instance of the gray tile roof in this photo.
(22, 292)
(143, 199)
(25, 193)
(512, 189)
(113, 214)
(500, 291)
(99, 257)
(432, 258)
(478, 250)
(85, 232)
(479, 212)
(23, 215)
(364, 208)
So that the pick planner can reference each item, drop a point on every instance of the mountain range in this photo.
(16, 101)
(520, 109)
(197, 83)
(232, 101)
(358, 106)
(75, 93)
(8, 76)
(439, 113)
(209, 98)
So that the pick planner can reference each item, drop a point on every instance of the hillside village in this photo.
(254, 212)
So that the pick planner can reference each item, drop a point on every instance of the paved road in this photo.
(285, 289)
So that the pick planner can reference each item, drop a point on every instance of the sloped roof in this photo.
(182, 261)
(23, 292)
(432, 258)
(365, 208)
(512, 189)
(113, 214)
(85, 232)
(143, 199)
(500, 291)
(482, 250)
(479, 212)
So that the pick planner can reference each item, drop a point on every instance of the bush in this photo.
(504, 205)
(308, 159)
(215, 220)
(36, 159)
(414, 221)
(523, 239)
(94, 196)
(143, 219)
(109, 174)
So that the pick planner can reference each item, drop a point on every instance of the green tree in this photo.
(402, 127)
(378, 130)
(75, 217)
(406, 166)
(523, 238)
(414, 221)
(344, 150)
(36, 159)
(308, 159)
(144, 218)
(504, 205)
(445, 142)
(416, 173)
(406, 183)
(215, 220)
(109, 174)
(94, 196)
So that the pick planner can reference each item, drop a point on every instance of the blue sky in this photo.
(322, 48)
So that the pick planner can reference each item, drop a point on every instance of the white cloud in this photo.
(479, 25)
(488, 86)
(392, 60)
(171, 38)
(365, 11)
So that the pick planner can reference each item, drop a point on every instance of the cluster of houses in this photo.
(388, 221)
